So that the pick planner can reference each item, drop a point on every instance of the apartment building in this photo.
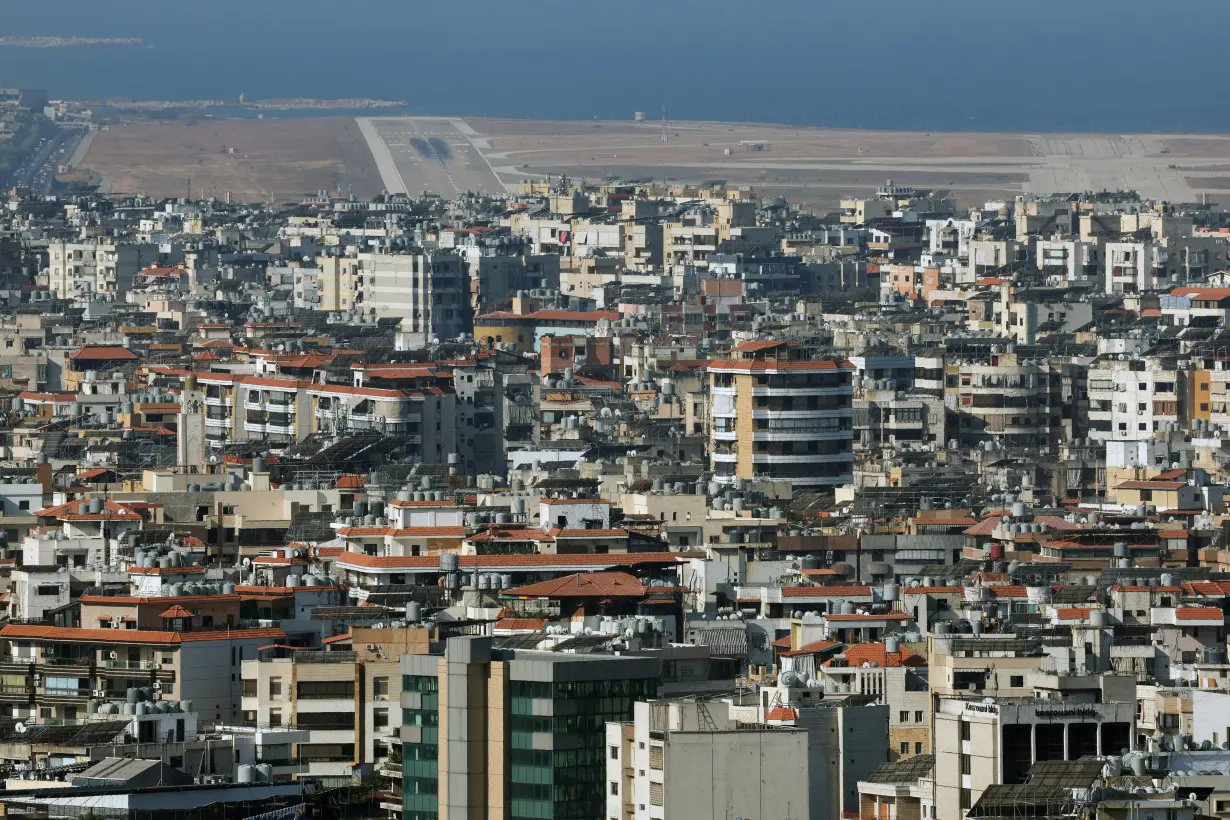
(346, 702)
(1135, 397)
(428, 292)
(1004, 396)
(62, 673)
(81, 268)
(281, 411)
(512, 733)
(779, 416)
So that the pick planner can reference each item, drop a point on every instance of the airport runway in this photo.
(433, 154)
(450, 156)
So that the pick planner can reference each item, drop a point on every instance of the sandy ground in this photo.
(272, 160)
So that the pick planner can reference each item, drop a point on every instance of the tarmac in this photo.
(450, 156)
(428, 154)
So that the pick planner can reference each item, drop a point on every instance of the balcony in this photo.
(130, 666)
(219, 401)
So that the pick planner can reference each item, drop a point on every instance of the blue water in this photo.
(1037, 65)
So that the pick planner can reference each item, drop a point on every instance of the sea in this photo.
(954, 65)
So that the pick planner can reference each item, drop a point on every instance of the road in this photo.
(38, 171)
(436, 154)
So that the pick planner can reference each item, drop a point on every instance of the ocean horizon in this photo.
(960, 65)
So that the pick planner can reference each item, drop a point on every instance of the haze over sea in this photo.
(986, 65)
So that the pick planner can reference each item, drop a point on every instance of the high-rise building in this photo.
(509, 733)
(428, 292)
(778, 415)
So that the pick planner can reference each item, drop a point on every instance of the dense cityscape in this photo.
(611, 500)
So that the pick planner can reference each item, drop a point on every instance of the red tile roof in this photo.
(338, 639)
(140, 636)
(583, 585)
(112, 511)
(176, 611)
(103, 353)
(1150, 485)
(1203, 613)
(521, 624)
(1072, 614)
(827, 592)
(781, 713)
(876, 653)
(810, 649)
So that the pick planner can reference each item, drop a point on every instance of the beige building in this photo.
(777, 414)
(346, 698)
(995, 740)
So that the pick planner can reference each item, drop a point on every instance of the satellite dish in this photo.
(20, 728)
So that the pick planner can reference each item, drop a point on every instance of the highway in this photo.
(38, 171)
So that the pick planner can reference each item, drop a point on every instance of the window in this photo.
(614, 788)
(903, 716)
(275, 717)
(966, 800)
(275, 687)
(965, 733)
(1016, 681)
(614, 753)
(918, 716)
(655, 758)
(380, 687)
(23, 505)
(905, 748)
(325, 689)
(966, 765)
(655, 794)
(380, 718)
(918, 747)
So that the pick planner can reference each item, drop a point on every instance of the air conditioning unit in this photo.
(157, 686)
(115, 656)
(98, 693)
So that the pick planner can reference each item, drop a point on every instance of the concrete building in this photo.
(980, 743)
(656, 761)
(779, 416)
(509, 733)
(429, 293)
(80, 268)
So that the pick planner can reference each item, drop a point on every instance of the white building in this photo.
(80, 268)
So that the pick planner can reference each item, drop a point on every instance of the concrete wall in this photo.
(734, 774)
